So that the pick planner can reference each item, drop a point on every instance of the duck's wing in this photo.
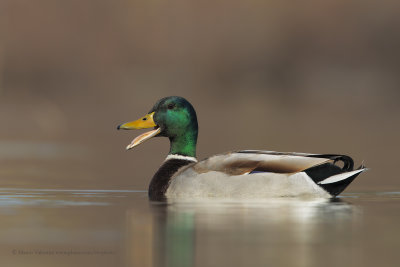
(252, 161)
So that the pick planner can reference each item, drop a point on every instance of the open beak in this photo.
(142, 123)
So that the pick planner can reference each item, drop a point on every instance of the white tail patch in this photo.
(340, 177)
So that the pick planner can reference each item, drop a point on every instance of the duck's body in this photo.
(241, 174)
(253, 174)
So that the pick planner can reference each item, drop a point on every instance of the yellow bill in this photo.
(142, 123)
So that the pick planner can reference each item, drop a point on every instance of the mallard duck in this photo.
(237, 174)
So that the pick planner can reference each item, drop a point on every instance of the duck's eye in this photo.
(171, 106)
(144, 119)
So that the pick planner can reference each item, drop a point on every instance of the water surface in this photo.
(46, 227)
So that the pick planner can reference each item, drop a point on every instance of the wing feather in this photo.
(242, 162)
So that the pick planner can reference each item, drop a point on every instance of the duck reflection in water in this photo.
(255, 232)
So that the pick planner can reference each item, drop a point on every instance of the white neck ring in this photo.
(176, 156)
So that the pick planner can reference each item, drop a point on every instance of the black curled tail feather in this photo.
(348, 163)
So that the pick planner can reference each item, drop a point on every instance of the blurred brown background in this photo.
(309, 76)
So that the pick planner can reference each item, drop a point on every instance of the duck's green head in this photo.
(173, 117)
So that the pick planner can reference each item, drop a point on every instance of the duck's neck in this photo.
(184, 145)
(182, 152)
